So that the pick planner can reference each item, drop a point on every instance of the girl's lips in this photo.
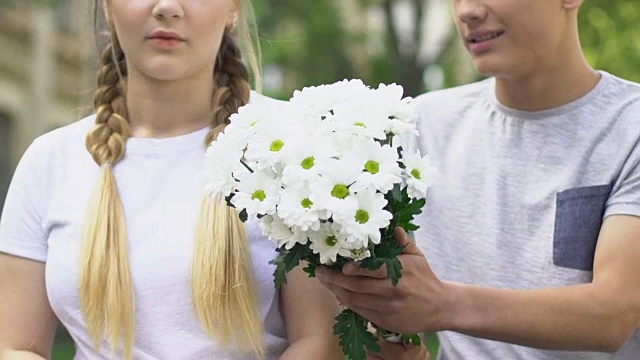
(166, 42)
(165, 39)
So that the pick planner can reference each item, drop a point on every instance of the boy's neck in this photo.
(546, 89)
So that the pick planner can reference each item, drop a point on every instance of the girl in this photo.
(106, 227)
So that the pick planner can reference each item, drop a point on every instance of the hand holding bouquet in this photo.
(329, 180)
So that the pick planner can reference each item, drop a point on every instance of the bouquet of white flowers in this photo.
(327, 177)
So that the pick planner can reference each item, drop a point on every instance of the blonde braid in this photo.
(232, 85)
(106, 288)
(224, 295)
(106, 142)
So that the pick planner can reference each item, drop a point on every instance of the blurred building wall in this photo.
(46, 74)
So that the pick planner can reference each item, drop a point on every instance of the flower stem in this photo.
(246, 166)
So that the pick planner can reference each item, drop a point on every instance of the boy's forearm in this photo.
(580, 317)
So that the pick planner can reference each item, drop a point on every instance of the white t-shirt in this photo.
(161, 186)
(520, 196)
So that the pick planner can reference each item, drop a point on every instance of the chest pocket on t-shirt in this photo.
(578, 220)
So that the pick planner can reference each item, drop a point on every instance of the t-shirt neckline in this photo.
(189, 141)
(589, 97)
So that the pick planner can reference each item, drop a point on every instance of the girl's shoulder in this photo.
(72, 134)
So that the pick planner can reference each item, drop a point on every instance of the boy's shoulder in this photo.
(621, 88)
(456, 95)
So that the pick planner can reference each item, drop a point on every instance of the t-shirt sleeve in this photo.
(625, 195)
(22, 231)
(625, 199)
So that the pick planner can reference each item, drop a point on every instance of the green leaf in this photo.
(396, 193)
(400, 150)
(228, 199)
(287, 260)
(386, 253)
(311, 269)
(355, 339)
(411, 339)
(313, 262)
(280, 274)
(408, 227)
(403, 209)
(390, 136)
(243, 215)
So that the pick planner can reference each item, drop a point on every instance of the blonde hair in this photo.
(223, 294)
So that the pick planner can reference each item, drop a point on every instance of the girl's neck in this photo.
(162, 108)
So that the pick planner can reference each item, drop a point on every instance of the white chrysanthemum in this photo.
(297, 210)
(301, 164)
(320, 100)
(231, 139)
(418, 173)
(387, 97)
(360, 117)
(275, 229)
(252, 116)
(360, 254)
(354, 245)
(387, 101)
(368, 218)
(331, 192)
(404, 119)
(258, 193)
(380, 165)
(271, 144)
(328, 242)
(219, 176)
(222, 160)
(340, 144)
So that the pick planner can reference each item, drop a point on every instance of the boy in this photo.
(531, 233)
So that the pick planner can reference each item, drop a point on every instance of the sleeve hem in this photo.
(32, 253)
(632, 209)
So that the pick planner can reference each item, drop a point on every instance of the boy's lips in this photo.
(482, 40)
(483, 35)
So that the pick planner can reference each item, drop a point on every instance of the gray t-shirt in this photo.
(520, 196)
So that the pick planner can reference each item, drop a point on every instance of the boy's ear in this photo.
(571, 4)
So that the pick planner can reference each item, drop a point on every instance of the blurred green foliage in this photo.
(63, 348)
(15, 3)
(610, 35)
(306, 38)
(309, 40)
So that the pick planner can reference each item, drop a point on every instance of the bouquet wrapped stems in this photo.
(351, 328)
